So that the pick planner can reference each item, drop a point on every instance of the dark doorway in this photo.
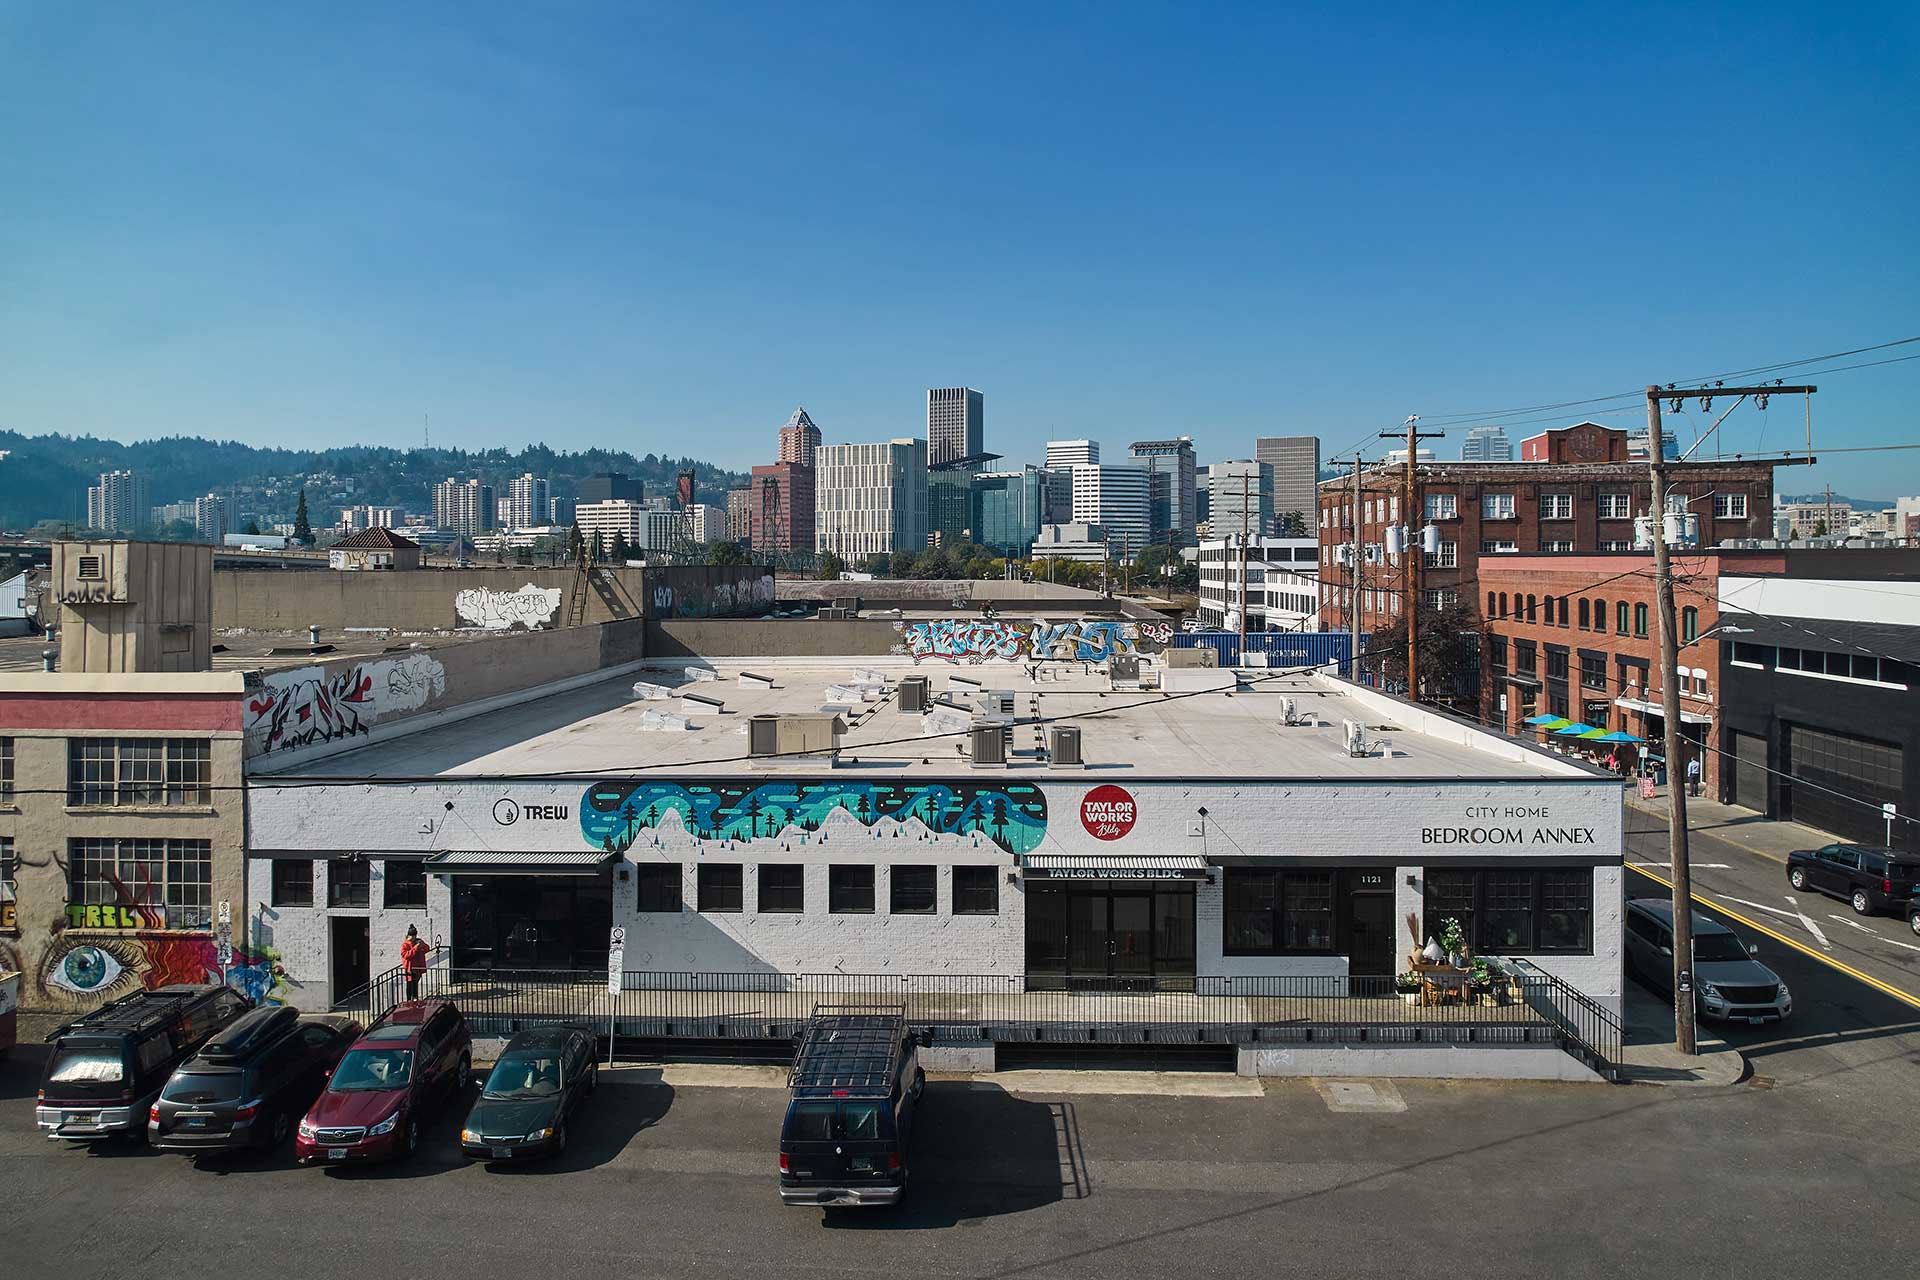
(350, 970)
(1085, 936)
(555, 923)
(1750, 770)
(1368, 925)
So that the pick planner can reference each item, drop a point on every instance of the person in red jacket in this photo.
(413, 959)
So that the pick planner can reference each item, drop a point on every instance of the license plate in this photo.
(336, 1153)
(500, 1153)
(862, 1164)
(1754, 1022)
(84, 1119)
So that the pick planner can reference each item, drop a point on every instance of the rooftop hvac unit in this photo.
(1356, 737)
(914, 691)
(763, 736)
(1289, 713)
(1063, 744)
(989, 743)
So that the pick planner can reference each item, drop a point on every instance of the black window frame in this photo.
(659, 888)
(409, 877)
(782, 888)
(1485, 896)
(1556, 662)
(720, 889)
(923, 878)
(1593, 671)
(1280, 905)
(968, 886)
(349, 883)
(845, 889)
(279, 894)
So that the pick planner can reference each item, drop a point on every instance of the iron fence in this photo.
(1525, 1005)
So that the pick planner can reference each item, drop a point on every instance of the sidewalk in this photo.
(1647, 1055)
(1754, 832)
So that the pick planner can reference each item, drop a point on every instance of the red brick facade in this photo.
(1580, 500)
(782, 507)
(1579, 636)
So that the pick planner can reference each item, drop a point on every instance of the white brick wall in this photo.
(302, 938)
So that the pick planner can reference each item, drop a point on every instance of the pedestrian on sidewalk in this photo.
(1693, 776)
(413, 960)
(1613, 762)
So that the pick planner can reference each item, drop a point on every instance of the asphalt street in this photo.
(1808, 1167)
(1752, 884)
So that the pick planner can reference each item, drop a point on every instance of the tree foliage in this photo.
(302, 527)
(1444, 664)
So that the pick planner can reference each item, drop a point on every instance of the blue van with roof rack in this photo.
(851, 1096)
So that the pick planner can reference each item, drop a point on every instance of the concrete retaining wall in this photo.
(1417, 1061)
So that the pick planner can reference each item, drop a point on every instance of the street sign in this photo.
(225, 954)
(616, 959)
(225, 915)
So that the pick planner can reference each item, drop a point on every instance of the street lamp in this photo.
(1723, 628)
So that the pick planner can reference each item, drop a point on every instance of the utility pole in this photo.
(1412, 550)
(1353, 568)
(1683, 999)
(1246, 523)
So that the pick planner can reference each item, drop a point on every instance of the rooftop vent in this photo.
(989, 740)
(914, 694)
(1063, 745)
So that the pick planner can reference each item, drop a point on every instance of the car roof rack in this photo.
(134, 1012)
(849, 1051)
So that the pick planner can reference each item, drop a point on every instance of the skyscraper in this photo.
(1487, 444)
(1296, 474)
(870, 497)
(119, 503)
(210, 517)
(465, 507)
(1062, 454)
(956, 424)
(1118, 498)
(526, 501)
(1008, 509)
(1169, 466)
(950, 499)
(799, 438)
(608, 486)
(780, 507)
(1242, 498)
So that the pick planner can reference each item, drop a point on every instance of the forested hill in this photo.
(46, 477)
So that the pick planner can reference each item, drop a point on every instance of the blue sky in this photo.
(660, 228)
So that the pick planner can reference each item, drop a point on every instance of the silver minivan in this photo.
(1727, 981)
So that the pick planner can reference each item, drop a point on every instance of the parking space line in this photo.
(1882, 987)
(1855, 924)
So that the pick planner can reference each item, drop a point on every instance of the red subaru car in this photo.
(388, 1086)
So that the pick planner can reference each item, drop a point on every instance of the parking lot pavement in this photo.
(677, 1180)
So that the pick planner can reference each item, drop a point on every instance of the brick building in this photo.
(781, 509)
(1579, 636)
(1577, 494)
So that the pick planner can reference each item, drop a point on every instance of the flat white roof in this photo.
(1125, 734)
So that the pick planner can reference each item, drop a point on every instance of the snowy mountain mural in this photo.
(613, 814)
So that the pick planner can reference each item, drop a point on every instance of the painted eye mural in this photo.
(97, 967)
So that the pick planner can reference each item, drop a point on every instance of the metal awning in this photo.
(1527, 681)
(520, 862)
(1114, 866)
(1653, 708)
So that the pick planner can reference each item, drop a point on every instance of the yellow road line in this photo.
(1795, 943)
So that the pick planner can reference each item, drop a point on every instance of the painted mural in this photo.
(997, 640)
(529, 608)
(613, 814)
(82, 969)
(299, 708)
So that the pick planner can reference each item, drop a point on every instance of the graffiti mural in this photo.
(694, 591)
(530, 607)
(996, 640)
(613, 814)
(82, 969)
(309, 705)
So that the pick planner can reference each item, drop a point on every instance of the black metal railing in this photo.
(1522, 1005)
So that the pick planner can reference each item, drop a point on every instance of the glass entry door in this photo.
(1086, 936)
(1130, 935)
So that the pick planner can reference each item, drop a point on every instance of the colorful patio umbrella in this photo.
(1594, 735)
(1555, 721)
(1573, 730)
(1618, 736)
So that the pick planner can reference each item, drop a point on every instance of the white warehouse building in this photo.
(1219, 834)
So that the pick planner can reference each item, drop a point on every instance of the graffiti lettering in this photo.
(991, 640)
(299, 708)
(94, 915)
(102, 594)
(529, 607)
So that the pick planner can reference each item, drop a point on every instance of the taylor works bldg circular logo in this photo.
(1108, 812)
(506, 812)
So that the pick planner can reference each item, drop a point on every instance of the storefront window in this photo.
(405, 882)
(1515, 910)
(1277, 912)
